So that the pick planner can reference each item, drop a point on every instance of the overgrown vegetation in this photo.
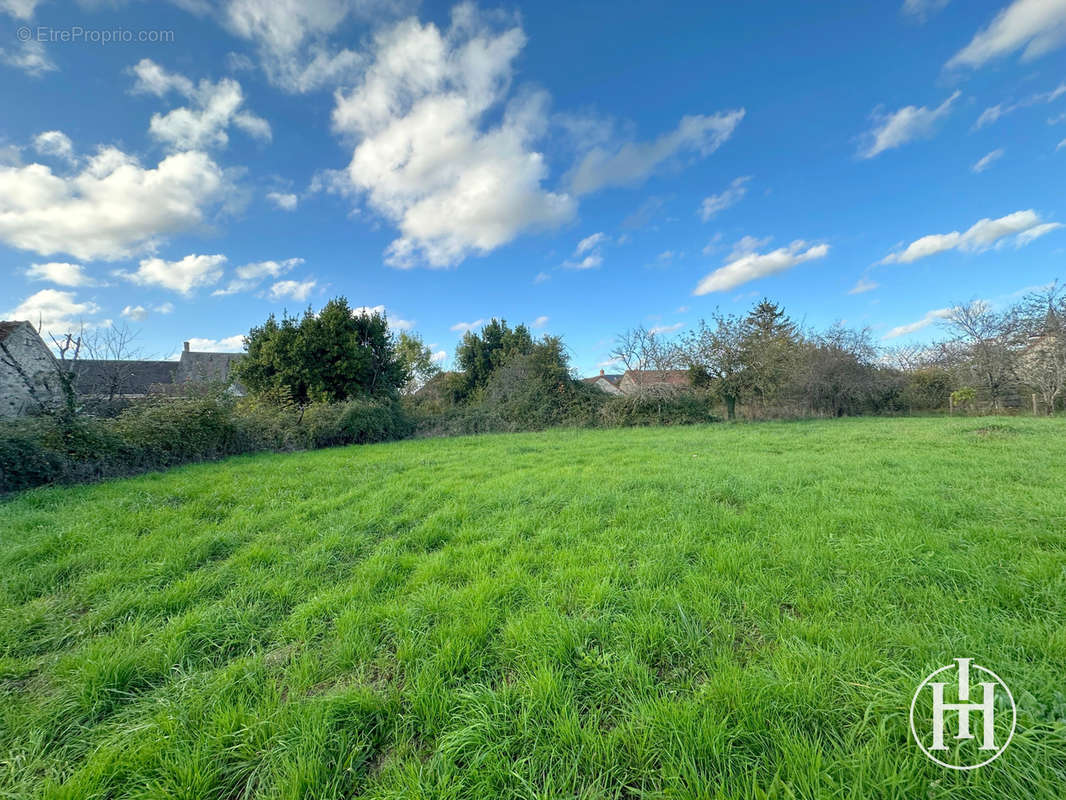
(712, 611)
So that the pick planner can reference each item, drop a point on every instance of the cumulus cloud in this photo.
(394, 321)
(249, 276)
(112, 209)
(589, 252)
(1035, 27)
(1025, 226)
(754, 265)
(634, 161)
(184, 276)
(54, 143)
(427, 160)
(19, 9)
(215, 107)
(292, 37)
(140, 313)
(56, 312)
(541, 321)
(60, 273)
(986, 161)
(293, 290)
(30, 57)
(283, 200)
(439, 357)
(230, 344)
(720, 202)
(924, 322)
(462, 327)
(899, 127)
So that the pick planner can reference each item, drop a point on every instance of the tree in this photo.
(771, 349)
(841, 376)
(640, 351)
(331, 356)
(1040, 320)
(478, 355)
(717, 358)
(986, 339)
(417, 359)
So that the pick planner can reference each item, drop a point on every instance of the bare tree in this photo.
(1039, 319)
(642, 351)
(112, 346)
(987, 338)
(716, 353)
(69, 348)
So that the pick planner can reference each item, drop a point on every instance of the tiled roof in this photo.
(650, 377)
(106, 377)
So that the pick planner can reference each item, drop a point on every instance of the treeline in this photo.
(763, 362)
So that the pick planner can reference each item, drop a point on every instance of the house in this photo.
(654, 381)
(605, 382)
(128, 380)
(29, 372)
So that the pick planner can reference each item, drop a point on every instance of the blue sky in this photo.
(190, 167)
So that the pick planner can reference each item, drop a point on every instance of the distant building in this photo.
(642, 381)
(605, 382)
(29, 373)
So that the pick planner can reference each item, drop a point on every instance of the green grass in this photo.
(722, 611)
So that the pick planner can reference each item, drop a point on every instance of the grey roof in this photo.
(8, 327)
(195, 366)
(610, 377)
(107, 377)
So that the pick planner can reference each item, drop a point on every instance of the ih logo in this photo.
(955, 731)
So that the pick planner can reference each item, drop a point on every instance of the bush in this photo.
(682, 408)
(159, 434)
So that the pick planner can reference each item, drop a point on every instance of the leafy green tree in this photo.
(717, 358)
(479, 354)
(326, 357)
(417, 359)
(771, 345)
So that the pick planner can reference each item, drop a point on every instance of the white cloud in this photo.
(981, 235)
(1025, 237)
(230, 344)
(902, 126)
(468, 326)
(284, 201)
(658, 329)
(540, 322)
(251, 275)
(292, 36)
(136, 313)
(924, 322)
(747, 244)
(54, 311)
(994, 113)
(439, 357)
(30, 57)
(541, 277)
(54, 143)
(1060, 145)
(294, 290)
(634, 161)
(19, 9)
(589, 252)
(425, 158)
(140, 313)
(215, 107)
(589, 242)
(990, 115)
(1034, 26)
(758, 265)
(922, 9)
(863, 285)
(723, 200)
(394, 321)
(60, 273)
(183, 276)
(986, 161)
(112, 209)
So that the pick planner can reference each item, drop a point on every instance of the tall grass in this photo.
(721, 611)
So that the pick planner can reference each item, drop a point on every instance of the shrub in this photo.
(682, 408)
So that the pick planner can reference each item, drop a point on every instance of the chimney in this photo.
(186, 347)
(601, 372)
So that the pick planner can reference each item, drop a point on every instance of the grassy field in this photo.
(723, 611)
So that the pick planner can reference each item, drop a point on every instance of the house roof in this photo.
(194, 366)
(648, 377)
(612, 378)
(105, 376)
(8, 327)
